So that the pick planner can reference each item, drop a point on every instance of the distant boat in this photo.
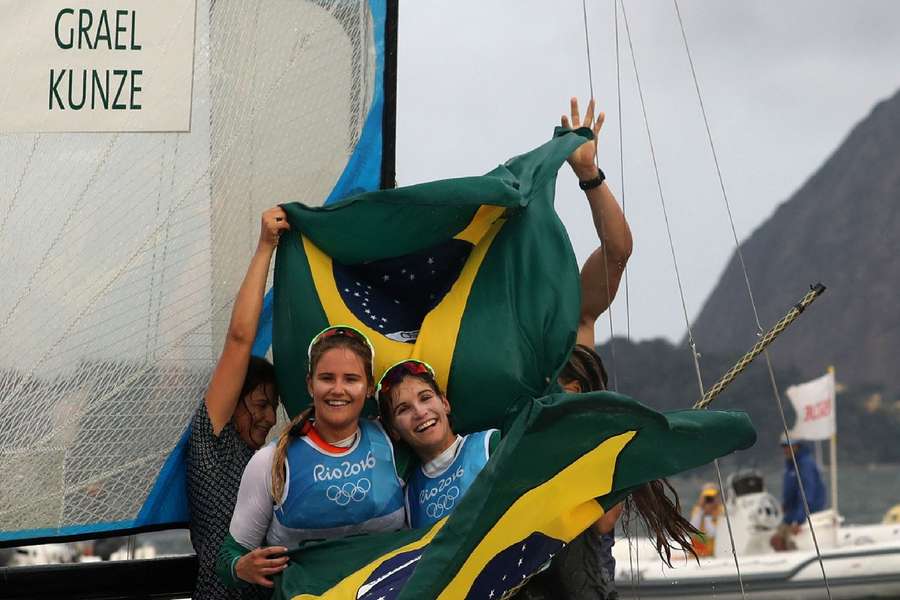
(860, 561)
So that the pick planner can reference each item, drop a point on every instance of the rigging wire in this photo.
(626, 527)
(621, 161)
(744, 270)
(632, 549)
(602, 231)
(691, 341)
(637, 557)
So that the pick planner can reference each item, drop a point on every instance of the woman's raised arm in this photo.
(224, 389)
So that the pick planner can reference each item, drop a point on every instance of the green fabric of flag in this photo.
(475, 276)
(564, 459)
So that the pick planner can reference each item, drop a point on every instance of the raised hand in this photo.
(273, 223)
(259, 565)
(582, 160)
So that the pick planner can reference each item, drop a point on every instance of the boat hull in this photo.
(870, 572)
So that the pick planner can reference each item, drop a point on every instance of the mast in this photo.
(832, 459)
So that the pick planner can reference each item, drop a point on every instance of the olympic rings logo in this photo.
(443, 504)
(342, 495)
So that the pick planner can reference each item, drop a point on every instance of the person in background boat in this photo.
(330, 474)
(705, 517)
(892, 516)
(806, 474)
(233, 420)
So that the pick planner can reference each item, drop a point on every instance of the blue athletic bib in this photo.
(328, 492)
(430, 499)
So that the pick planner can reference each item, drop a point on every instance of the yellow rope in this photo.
(814, 292)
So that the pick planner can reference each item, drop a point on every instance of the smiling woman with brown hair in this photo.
(415, 410)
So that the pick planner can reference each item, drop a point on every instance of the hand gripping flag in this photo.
(565, 459)
(475, 275)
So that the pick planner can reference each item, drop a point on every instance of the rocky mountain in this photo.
(662, 375)
(842, 228)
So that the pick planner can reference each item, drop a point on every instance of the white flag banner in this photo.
(815, 407)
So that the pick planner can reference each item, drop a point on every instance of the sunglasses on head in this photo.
(395, 373)
(339, 330)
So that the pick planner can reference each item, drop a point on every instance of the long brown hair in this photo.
(586, 367)
(299, 423)
(662, 517)
(661, 514)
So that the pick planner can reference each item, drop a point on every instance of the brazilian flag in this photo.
(477, 277)
(474, 275)
(565, 459)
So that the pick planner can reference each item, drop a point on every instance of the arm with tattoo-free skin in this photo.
(224, 389)
(603, 270)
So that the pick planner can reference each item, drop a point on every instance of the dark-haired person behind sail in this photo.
(233, 420)
(331, 473)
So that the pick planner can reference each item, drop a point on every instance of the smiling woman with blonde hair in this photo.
(330, 474)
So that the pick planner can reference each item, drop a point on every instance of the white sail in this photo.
(121, 252)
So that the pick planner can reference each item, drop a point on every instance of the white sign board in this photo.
(814, 403)
(94, 65)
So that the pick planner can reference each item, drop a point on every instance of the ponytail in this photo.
(296, 428)
(661, 515)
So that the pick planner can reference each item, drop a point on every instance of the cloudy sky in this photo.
(783, 82)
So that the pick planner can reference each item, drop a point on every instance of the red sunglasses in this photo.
(342, 330)
(395, 373)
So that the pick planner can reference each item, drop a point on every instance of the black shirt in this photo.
(214, 468)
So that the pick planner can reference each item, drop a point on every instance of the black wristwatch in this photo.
(592, 183)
